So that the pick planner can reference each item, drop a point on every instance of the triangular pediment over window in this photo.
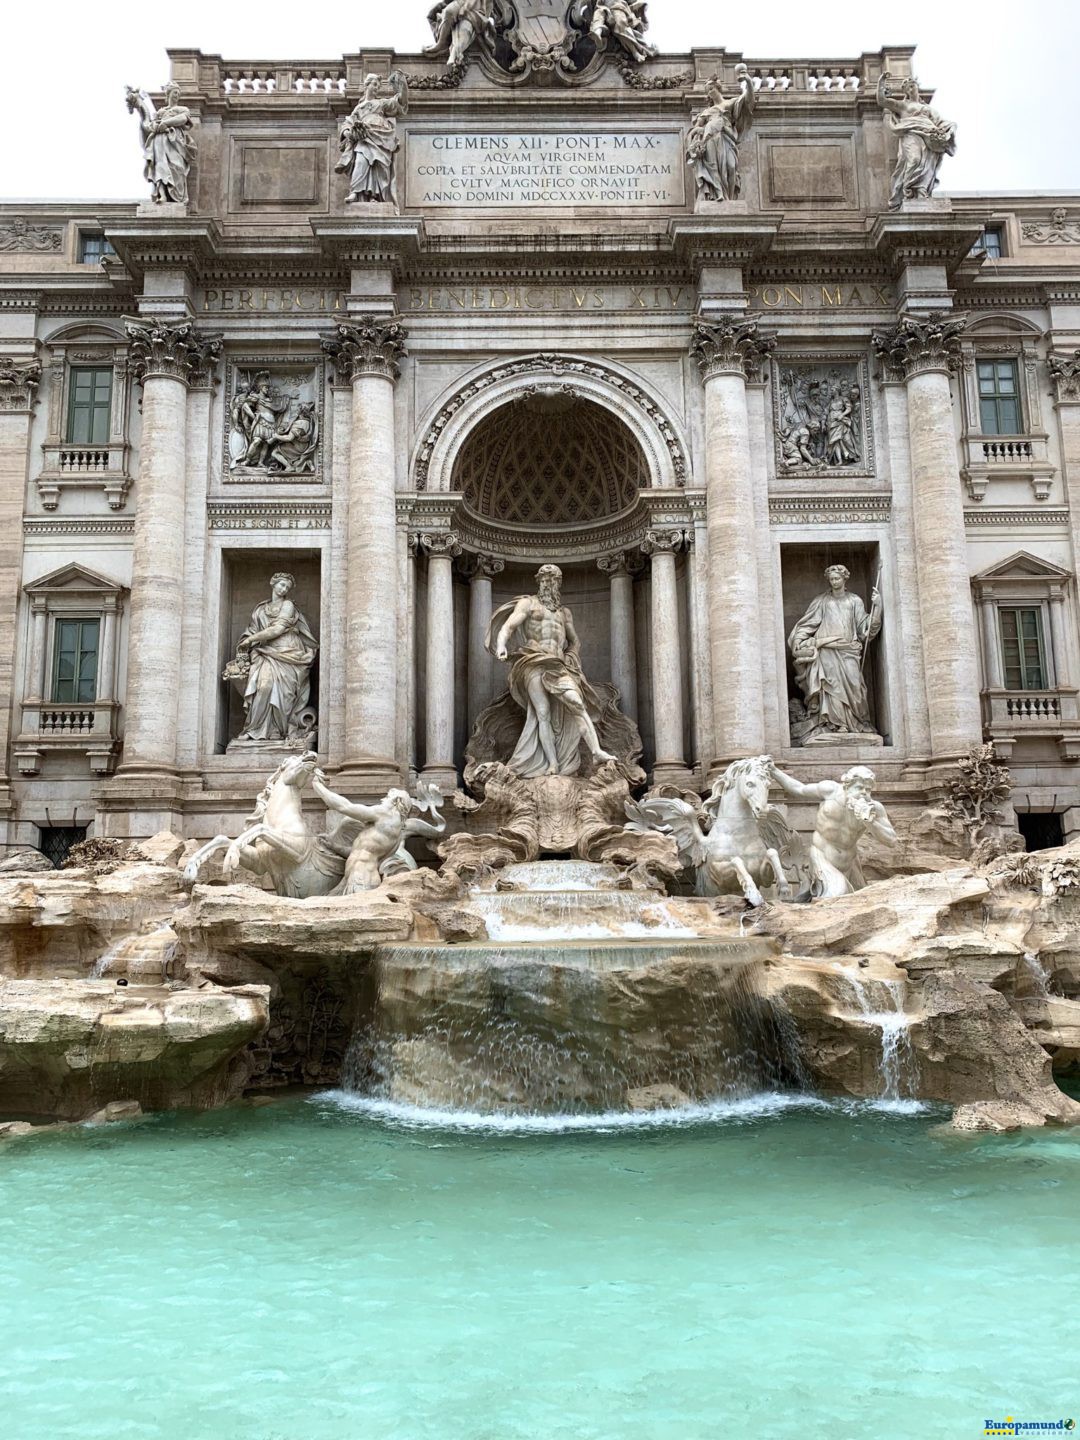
(74, 580)
(1023, 566)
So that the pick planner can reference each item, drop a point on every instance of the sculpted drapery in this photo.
(280, 650)
(827, 647)
(924, 140)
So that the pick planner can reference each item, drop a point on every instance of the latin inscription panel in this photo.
(491, 170)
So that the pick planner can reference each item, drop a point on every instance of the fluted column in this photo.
(166, 357)
(1059, 641)
(35, 677)
(1065, 377)
(366, 354)
(923, 351)
(19, 381)
(441, 549)
(729, 353)
(991, 646)
(669, 767)
(620, 571)
(481, 570)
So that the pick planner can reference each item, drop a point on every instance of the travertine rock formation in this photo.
(67, 1048)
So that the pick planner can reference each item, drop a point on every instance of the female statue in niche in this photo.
(275, 655)
(828, 647)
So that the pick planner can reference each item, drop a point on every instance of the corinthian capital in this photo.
(19, 380)
(441, 544)
(367, 346)
(730, 347)
(177, 350)
(916, 346)
(1065, 374)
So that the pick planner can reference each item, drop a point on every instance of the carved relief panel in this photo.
(821, 418)
(273, 420)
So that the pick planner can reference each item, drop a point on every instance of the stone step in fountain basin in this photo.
(565, 1027)
(557, 900)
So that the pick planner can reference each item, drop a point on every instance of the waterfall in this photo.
(897, 1065)
(1037, 974)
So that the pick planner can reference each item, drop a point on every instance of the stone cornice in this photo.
(1065, 373)
(171, 243)
(366, 346)
(921, 345)
(19, 380)
(370, 242)
(176, 350)
(830, 509)
(730, 347)
(934, 236)
(726, 239)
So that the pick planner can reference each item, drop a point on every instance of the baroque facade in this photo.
(391, 331)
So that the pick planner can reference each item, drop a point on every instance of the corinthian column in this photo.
(922, 352)
(618, 568)
(366, 355)
(729, 353)
(481, 570)
(165, 359)
(669, 767)
(441, 549)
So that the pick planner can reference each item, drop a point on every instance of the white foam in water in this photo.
(502, 930)
(732, 1111)
(747, 1107)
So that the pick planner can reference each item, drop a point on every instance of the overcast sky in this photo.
(1005, 72)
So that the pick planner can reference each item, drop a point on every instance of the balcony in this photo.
(1007, 457)
(49, 728)
(1012, 715)
(84, 467)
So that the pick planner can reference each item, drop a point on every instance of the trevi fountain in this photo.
(552, 938)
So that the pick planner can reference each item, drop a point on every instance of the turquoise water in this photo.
(310, 1271)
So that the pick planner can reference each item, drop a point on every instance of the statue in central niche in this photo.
(547, 681)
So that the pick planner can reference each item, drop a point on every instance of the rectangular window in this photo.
(993, 242)
(89, 404)
(1022, 648)
(999, 398)
(92, 246)
(75, 662)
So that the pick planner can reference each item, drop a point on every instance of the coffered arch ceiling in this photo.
(551, 461)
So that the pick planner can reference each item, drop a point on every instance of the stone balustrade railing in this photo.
(1011, 715)
(213, 77)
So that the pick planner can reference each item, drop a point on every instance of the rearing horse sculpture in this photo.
(733, 842)
(279, 842)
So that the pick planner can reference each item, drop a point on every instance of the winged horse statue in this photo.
(360, 846)
(734, 840)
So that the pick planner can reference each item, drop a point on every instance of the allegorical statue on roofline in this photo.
(712, 146)
(924, 140)
(168, 149)
(368, 140)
